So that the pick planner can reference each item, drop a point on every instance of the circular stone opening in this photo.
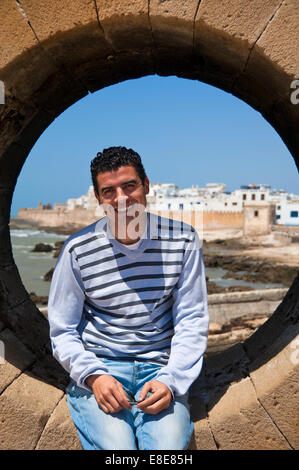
(241, 55)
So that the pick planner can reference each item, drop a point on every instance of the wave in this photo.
(23, 247)
(22, 233)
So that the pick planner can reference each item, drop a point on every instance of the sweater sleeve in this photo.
(65, 307)
(191, 323)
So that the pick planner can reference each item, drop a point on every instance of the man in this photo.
(128, 316)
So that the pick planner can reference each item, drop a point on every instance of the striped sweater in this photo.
(147, 304)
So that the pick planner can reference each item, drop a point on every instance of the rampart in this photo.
(53, 53)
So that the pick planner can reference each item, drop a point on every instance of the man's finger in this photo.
(156, 407)
(151, 400)
(122, 398)
(146, 388)
(102, 403)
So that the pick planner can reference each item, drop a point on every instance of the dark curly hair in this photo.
(111, 159)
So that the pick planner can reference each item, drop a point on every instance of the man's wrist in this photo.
(169, 388)
(89, 381)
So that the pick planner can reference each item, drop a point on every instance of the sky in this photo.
(186, 132)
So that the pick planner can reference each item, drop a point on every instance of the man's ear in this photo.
(146, 185)
(97, 196)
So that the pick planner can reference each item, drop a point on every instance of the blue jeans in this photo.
(170, 429)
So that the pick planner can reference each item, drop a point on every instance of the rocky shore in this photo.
(226, 254)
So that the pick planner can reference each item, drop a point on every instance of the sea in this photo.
(33, 266)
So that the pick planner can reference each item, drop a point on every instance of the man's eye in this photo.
(130, 186)
(107, 192)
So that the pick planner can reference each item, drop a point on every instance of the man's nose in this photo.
(120, 195)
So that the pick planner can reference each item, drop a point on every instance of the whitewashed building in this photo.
(213, 197)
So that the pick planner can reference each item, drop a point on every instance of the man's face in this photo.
(122, 189)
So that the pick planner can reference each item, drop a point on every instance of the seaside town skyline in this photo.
(213, 198)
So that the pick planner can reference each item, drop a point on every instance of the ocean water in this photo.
(33, 266)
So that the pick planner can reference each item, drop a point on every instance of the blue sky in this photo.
(186, 132)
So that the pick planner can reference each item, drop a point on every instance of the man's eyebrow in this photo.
(125, 182)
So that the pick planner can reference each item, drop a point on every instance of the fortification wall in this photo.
(58, 218)
(82, 217)
(246, 397)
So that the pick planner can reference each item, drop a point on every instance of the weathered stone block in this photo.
(276, 385)
(69, 31)
(202, 437)
(25, 407)
(238, 421)
(14, 117)
(279, 44)
(172, 22)
(225, 31)
(11, 288)
(125, 23)
(18, 42)
(60, 432)
(16, 35)
(257, 345)
(28, 324)
(17, 358)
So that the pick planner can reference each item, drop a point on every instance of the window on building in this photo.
(244, 197)
(262, 197)
(253, 197)
(294, 214)
(225, 203)
(181, 207)
(256, 213)
(277, 217)
(278, 208)
(169, 205)
(235, 204)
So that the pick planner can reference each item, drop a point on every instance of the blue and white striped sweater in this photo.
(146, 304)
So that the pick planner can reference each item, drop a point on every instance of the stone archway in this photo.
(54, 53)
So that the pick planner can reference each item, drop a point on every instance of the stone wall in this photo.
(258, 218)
(58, 218)
(245, 397)
(82, 217)
(225, 307)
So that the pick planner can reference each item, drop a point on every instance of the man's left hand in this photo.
(159, 400)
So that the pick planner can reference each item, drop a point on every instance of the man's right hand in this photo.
(109, 393)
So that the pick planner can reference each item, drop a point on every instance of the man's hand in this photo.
(159, 400)
(109, 393)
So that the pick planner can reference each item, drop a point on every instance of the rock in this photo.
(257, 270)
(41, 300)
(42, 248)
(58, 248)
(48, 275)
(214, 288)
(214, 328)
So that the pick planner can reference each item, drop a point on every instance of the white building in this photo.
(213, 197)
(286, 205)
